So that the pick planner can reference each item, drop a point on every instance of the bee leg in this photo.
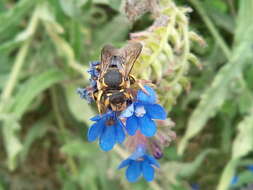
(132, 79)
(142, 87)
(107, 102)
(94, 95)
(99, 105)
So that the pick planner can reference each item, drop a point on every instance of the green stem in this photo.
(212, 28)
(70, 161)
(19, 62)
(15, 71)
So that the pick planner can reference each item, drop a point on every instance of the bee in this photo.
(114, 80)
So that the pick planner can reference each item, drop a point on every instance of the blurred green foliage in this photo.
(45, 47)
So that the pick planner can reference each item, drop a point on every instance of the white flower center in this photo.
(140, 111)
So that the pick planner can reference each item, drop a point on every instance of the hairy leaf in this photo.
(214, 96)
(242, 145)
(14, 15)
(11, 141)
(80, 108)
(33, 88)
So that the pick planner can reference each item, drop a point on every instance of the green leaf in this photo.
(184, 170)
(222, 20)
(242, 145)
(218, 5)
(101, 1)
(115, 4)
(189, 169)
(80, 108)
(112, 32)
(33, 88)
(12, 143)
(244, 21)
(78, 148)
(246, 177)
(249, 77)
(14, 15)
(227, 175)
(72, 7)
(245, 101)
(3, 79)
(22, 36)
(214, 96)
(54, 29)
(37, 131)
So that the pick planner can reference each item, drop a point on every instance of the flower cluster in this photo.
(86, 93)
(138, 122)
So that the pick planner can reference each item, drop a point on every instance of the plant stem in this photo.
(232, 7)
(15, 71)
(19, 61)
(70, 161)
(212, 28)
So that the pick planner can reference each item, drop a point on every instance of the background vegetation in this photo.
(45, 47)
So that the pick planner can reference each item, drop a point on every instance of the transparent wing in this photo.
(130, 53)
(106, 55)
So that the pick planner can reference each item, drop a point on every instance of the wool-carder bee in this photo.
(114, 79)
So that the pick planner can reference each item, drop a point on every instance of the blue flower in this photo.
(93, 70)
(94, 63)
(141, 113)
(93, 84)
(139, 163)
(85, 94)
(108, 128)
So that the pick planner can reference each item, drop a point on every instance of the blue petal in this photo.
(95, 130)
(95, 118)
(148, 171)
(108, 114)
(108, 138)
(120, 134)
(152, 160)
(81, 92)
(234, 180)
(94, 63)
(127, 112)
(139, 152)
(124, 163)
(155, 111)
(85, 94)
(133, 172)
(147, 126)
(91, 72)
(147, 98)
(131, 125)
(250, 167)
